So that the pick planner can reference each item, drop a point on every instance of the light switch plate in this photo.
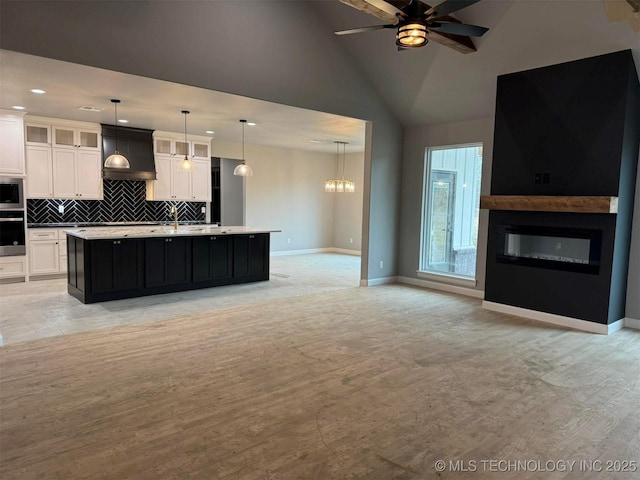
(60, 208)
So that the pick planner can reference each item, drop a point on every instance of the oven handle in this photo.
(21, 219)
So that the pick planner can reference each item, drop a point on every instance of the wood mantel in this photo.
(549, 203)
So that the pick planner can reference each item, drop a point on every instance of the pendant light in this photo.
(243, 170)
(116, 160)
(186, 165)
(340, 185)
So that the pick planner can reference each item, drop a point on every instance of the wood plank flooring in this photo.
(361, 383)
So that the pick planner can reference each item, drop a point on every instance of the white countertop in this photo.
(102, 233)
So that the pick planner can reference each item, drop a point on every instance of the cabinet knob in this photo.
(251, 236)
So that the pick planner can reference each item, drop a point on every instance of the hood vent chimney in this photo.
(136, 144)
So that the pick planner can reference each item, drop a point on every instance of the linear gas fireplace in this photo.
(564, 169)
(570, 249)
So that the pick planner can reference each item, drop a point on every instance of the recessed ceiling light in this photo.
(315, 141)
(38, 91)
(210, 132)
(88, 108)
(122, 120)
(251, 124)
(18, 107)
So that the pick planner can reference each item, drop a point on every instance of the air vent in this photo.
(88, 108)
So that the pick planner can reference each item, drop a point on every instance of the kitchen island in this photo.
(110, 263)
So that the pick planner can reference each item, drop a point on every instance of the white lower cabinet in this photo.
(13, 267)
(47, 251)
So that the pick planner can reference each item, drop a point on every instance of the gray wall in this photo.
(232, 194)
(189, 43)
(286, 192)
(415, 143)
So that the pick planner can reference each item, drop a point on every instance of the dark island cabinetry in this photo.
(110, 269)
(212, 259)
(167, 261)
(116, 265)
(250, 252)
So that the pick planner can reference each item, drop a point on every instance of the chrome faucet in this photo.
(174, 210)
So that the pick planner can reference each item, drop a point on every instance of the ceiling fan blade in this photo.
(459, 29)
(364, 29)
(449, 6)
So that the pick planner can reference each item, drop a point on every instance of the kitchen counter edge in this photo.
(108, 233)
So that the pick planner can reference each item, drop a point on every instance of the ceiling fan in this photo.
(416, 22)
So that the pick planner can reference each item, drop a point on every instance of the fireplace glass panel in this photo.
(563, 249)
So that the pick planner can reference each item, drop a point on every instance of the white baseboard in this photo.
(378, 281)
(347, 251)
(554, 319)
(283, 253)
(632, 323)
(470, 292)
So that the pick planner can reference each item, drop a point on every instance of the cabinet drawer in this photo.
(12, 268)
(43, 234)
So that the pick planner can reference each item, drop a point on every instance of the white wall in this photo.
(286, 192)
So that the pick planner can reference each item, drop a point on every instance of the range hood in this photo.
(136, 144)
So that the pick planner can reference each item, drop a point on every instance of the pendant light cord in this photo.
(115, 104)
(243, 142)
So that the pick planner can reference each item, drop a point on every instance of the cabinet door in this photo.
(88, 175)
(167, 261)
(64, 173)
(162, 184)
(39, 172)
(88, 139)
(211, 258)
(258, 254)
(177, 261)
(11, 145)
(181, 181)
(116, 265)
(64, 137)
(200, 150)
(37, 135)
(43, 257)
(162, 146)
(201, 181)
(240, 255)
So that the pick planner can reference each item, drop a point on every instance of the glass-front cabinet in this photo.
(67, 137)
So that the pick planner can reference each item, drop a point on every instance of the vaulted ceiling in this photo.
(430, 85)
(435, 84)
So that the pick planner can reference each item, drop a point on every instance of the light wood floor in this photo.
(360, 383)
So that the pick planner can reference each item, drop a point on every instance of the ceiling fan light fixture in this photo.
(412, 35)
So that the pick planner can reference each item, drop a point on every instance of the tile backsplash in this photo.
(124, 201)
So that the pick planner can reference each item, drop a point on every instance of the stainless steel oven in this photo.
(11, 193)
(12, 232)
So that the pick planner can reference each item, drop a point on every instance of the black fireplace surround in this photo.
(569, 129)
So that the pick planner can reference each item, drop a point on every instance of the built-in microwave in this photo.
(11, 193)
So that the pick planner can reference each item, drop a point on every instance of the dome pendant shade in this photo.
(186, 165)
(243, 170)
(116, 160)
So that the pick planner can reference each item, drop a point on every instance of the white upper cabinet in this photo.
(63, 160)
(171, 184)
(11, 143)
(37, 135)
(80, 138)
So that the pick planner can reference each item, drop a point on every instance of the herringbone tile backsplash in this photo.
(124, 201)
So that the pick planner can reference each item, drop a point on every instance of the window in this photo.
(451, 201)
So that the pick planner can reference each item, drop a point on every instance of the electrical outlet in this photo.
(60, 208)
(288, 240)
(351, 240)
(203, 210)
(381, 264)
